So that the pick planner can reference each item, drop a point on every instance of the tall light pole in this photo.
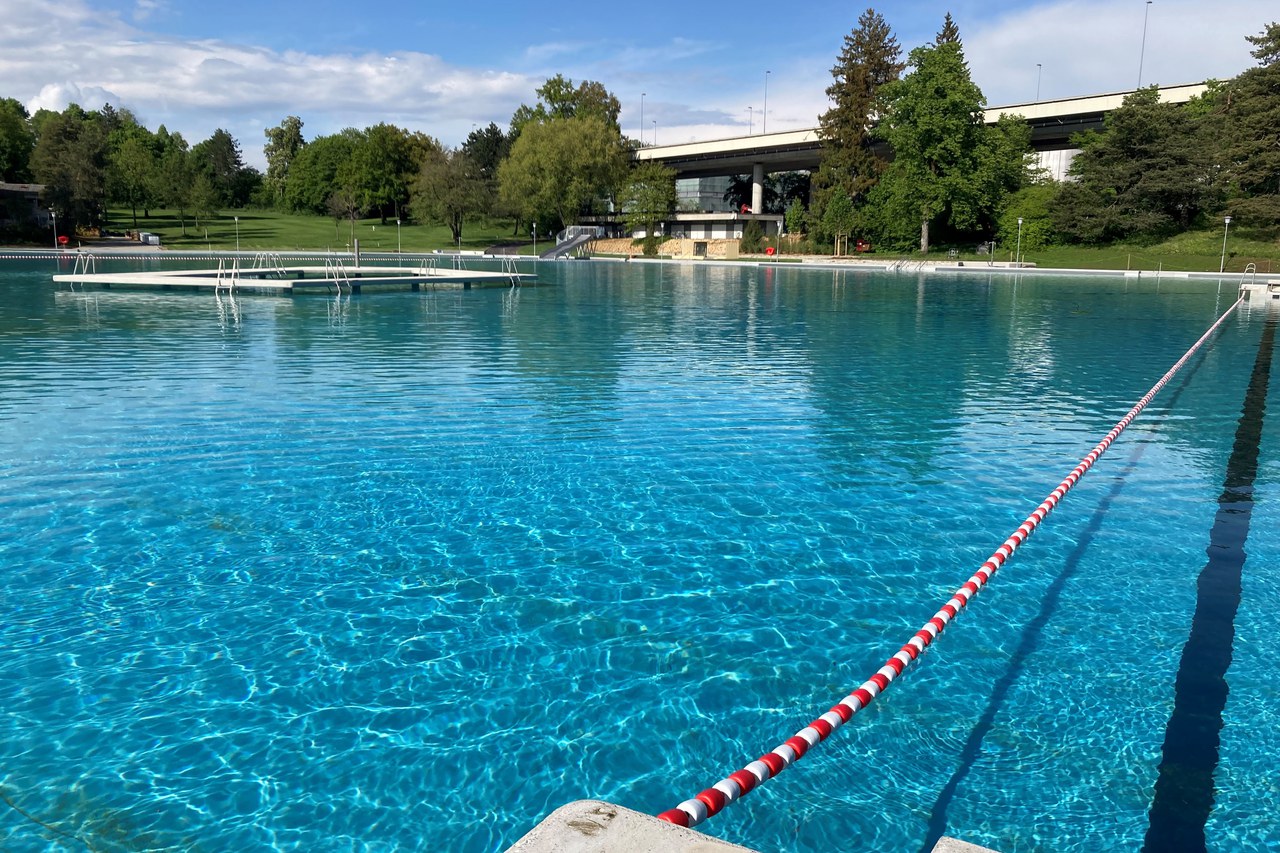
(642, 94)
(1226, 224)
(53, 215)
(1142, 54)
(1017, 255)
(237, 233)
(751, 120)
(397, 236)
(764, 114)
(1039, 72)
(655, 133)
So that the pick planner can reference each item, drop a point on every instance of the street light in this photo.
(1017, 255)
(655, 132)
(1039, 71)
(397, 236)
(642, 94)
(751, 120)
(237, 219)
(53, 215)
(1143, 53)
(535, 239)
(1226, 224)
(764, 114)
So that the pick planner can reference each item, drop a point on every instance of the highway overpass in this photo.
(1052, 125)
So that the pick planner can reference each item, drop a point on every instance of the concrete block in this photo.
(593, 826)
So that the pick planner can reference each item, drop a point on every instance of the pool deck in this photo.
(594, 826)
(280, 280)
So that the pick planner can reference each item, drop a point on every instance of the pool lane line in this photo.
(738, 784)
(1029, 642)
(1184, 788)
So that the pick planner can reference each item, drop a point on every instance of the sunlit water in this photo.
(408, 571)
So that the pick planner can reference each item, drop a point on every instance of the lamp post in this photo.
(237, 219)
(1226, 224)
(642, 94)
(534, 232)
(655, 132)
(751, 120)
(397, 236)
(53, 215)
(764, 113)
(1039, 72)
(1017, 255)
(1142, 54)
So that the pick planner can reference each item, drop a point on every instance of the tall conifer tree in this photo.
(871, 58)
(1253, 141)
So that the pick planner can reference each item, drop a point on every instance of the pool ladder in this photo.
(336, 271)
(228, 277)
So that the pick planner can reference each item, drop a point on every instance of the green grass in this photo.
(269, 230)
(1191, 251)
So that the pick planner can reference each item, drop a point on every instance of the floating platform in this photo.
(287, 281)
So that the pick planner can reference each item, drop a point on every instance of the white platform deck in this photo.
(298, 279)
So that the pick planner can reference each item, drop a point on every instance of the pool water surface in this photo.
(409, 571)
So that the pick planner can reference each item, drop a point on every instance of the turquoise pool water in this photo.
(408, 571)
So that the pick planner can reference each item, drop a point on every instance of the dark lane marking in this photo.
(1031, 635)
(1184, 788)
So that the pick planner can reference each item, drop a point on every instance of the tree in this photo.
(839, 218)
(558, 98)
(69, 158)
(1252, 148)
(132, 171)
(487, 147)
(283, 144)
(382, 169)
(950, 33)
(562, 167)
(313, 174)
(869, 60)
(948, 170)
(173, 174)
(344, 203)
(648, 199)
(218, 158)
(205, 200)
(1147, 175)
(17, 140)
(449, 188)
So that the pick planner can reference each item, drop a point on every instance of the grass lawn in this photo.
(1194, 251)
(269, 230)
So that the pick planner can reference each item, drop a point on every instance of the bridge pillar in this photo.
(757, 188)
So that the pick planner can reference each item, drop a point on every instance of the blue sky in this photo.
(443, 68)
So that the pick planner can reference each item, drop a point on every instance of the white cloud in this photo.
(1094, 47)
(197, 86)
(696, 88)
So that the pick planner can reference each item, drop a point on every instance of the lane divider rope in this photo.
(738, 784)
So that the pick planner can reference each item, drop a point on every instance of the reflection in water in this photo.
(322, 573)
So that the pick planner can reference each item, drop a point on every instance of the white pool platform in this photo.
(290, 280)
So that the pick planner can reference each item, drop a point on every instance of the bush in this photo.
(752, 237)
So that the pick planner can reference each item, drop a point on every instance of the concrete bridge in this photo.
(1052, 125)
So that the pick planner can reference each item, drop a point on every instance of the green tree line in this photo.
(908, 160)
(561, 158)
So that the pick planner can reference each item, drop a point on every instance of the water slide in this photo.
(571, 238)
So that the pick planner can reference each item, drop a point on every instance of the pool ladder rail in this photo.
(1258, 293)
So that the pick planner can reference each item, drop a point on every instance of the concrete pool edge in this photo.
(594, 826)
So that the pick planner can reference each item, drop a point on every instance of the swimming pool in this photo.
(409, 571)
